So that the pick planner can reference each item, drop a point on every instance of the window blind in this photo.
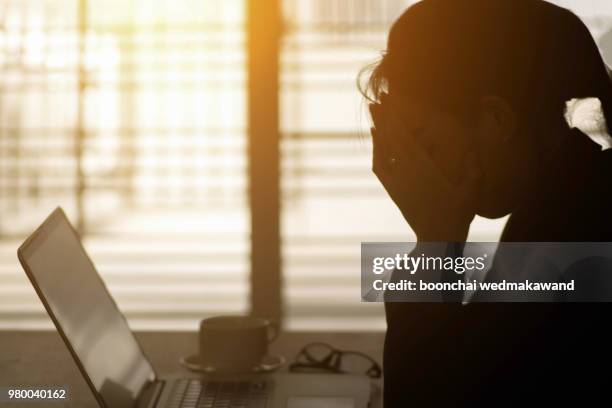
(131, 115)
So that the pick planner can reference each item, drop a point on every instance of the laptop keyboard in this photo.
(196, 393)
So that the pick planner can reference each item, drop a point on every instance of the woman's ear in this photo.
(497, 119)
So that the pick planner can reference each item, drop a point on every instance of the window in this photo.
(131, 115)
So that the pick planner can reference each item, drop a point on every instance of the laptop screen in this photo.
(67, 282)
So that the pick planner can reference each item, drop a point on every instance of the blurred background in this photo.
(133, 116)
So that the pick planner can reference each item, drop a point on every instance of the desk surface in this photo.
(40, 358)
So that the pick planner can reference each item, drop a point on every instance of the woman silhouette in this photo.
(468, 106)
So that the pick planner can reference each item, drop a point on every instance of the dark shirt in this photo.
(498, 353)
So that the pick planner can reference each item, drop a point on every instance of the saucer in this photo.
(267, 364)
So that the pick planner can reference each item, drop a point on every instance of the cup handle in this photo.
(273, 330)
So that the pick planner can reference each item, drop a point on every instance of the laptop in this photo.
(113, 363)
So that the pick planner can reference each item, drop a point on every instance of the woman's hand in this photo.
(435, 208)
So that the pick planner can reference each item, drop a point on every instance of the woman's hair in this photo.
(534, 54)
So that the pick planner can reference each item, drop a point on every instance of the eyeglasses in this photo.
(321, 357)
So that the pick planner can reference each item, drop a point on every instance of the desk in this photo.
(40, 358)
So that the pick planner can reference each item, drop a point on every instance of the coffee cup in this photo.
(235, 343)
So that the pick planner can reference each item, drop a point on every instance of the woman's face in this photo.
(505, 159)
